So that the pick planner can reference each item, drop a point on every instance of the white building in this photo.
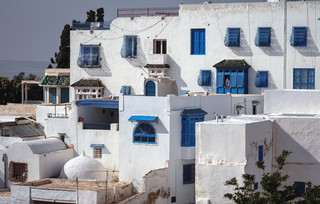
(208, 47)
(231, 147)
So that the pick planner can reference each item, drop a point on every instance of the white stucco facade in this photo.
(279, 59)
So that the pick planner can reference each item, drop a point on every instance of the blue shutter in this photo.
(64, 95)
(261, 79)
(220, 78)
(192, 131)
(263, 36)
(150, 88)
(233, 78)
(298, 36)
(260, 153)
(202, 42)
(240, 79)
(303, 78)
(255, 186)
(184, 130)
(126, 90)
(198, 41)
(204, 78)
(300, 188)
(53, 95)
(232, 38)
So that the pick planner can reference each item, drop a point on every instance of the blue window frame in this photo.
(232, 80)
(129, 46)
(303, 78)
(89, 56)
(204, 78)
(188, 173)
(64, 95)
(260, 156)
(261, 79)
(53, 95)
(298, 36)
(144, 133)
(198, 41)
(189, 117)
(232, 38)
(150, 88)
(126, 90)
(300, 188)
(263, 37)
(255, 186)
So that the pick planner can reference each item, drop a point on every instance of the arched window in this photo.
(144, 133)
(150, 88)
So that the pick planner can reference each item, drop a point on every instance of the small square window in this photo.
(298, 36)
(232, 38)
(263, 37)
(97, 152)
(159, 46)
(188, 173)
(89, 56)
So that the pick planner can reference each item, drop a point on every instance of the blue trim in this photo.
(99, 103)
(150, 88)
(126, 90)
(260, 153)
(232, 80)
(232, 38)
(143, 118)
(144, 133)
(198, 41)
(97, 145)
(261, 79)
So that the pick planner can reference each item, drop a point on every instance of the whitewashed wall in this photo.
(292, 101)
(215, 18)
(225, 150)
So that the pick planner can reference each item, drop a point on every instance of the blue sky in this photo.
(30, 29)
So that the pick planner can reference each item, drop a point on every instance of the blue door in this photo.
(150, 88)
(53, 95)
(64, 95)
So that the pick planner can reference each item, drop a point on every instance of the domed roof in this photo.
(83, 168)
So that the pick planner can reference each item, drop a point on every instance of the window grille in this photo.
(232, 38)
(18, 172)
(126, 90)
(144, 133)
(303, 78)
(150, 88)
(89, 56)
(263, 37)
(198, 41)
(97, 152)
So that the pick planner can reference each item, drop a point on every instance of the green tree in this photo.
(91, 16)
(311, 195)
(100, 14)
(273, 189)
(4, 90)
(62, 58)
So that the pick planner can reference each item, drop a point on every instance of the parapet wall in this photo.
(17, 109)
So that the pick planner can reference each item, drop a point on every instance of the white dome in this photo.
(83, 168)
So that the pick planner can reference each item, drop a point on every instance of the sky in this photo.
(30, 29)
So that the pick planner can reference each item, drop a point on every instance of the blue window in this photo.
(129, 46)
(298, 36)
(232, 80)
(260, 153)
(126, 90)
(64, 95)
(263, 37)
(300, 188)
(53, 95)
(261, 79)
(189, 117)
(188, 173)
(144, 133)
(255, 186)
(232, 38)
(198, 41)
(204, 78)
(303, 78)
(150, 88)
(89, 56)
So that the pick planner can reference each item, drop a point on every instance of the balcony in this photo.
(136, 12)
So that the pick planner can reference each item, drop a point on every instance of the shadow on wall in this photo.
(244, 49)
(311, 50)
(103, 71)
(140, 60)
(287, 142)
(259, 90)
(175, 72)
(275, 48)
